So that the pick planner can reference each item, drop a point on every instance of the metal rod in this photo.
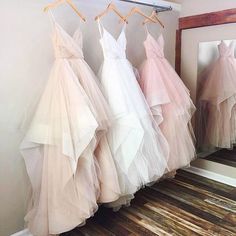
(158, 8)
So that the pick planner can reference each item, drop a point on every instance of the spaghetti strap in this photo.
(100, 28)
(124, 27)
(146, 29)
(52, 18)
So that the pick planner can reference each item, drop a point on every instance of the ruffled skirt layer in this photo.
(217, 100)
(172, 108)
(110, 189)
(138, 147)
(58, 150)
(217, 125)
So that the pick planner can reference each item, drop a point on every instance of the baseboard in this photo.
(211, 175)
(24, 232)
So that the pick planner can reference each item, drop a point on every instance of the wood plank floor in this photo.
(185, 206)
(224, 156)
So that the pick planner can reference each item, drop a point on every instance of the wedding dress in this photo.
(137, 145)
(217, 101)
(169, 101)
(67, 179)
(109, 184)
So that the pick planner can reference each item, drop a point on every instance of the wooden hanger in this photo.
(69, 2)
(111, 7)
(154, 15)
(138, 11)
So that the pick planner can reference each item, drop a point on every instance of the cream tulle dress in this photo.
(71, 118)
(216, 125)
(137, 145)
(169, 101)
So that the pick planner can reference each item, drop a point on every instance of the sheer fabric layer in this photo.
(109, 183)
(217, 102)
(137, 145)
(60, 139)
(68, 127)
(170, 103)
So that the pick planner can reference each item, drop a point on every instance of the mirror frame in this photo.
(197, 21)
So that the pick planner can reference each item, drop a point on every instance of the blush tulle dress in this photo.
(108, 176)
(71, 118)
(216, 126)
(169, 101)
(138, 147)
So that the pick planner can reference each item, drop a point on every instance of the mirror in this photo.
(216, 102)
(208, 52)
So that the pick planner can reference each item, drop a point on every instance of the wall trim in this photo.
(211, 175)
(196, 21)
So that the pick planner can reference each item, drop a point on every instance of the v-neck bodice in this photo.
(154, 48)
(65, 45)
(112, 48)
(226, 51)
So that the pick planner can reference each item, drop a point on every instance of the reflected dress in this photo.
(217, 101)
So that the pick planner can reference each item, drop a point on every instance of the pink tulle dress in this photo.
(67, 178)
(169, 101)
(216, 122)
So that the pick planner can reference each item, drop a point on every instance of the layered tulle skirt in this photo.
(59, 149)
(172, 108)
(216, 105)
(109, 183)
(138, 147)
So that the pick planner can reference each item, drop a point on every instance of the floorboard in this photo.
(188, 205)
(224, 156)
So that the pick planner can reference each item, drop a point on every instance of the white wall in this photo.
(189, 60)
(26, 57)
(193, 7)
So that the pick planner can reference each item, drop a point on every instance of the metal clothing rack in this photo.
(156, 7)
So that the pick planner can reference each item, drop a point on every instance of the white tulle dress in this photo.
(138, 146)
(216, 126)
(67, 179)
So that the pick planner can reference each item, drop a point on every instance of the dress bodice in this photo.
(65, 45)
(113, 48)
(154, 48)
(226, 51)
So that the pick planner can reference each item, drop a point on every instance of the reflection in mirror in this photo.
(216, 101)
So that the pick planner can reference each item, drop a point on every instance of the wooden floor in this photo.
(185, 206)
(224, 156)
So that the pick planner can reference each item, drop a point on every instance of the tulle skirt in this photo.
(216, 105)
(172, 108)
(217, 125)
(138, 146)
(58, 150)
(61, 199)
(110, 189)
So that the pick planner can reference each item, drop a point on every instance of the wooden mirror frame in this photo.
(197, 21)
